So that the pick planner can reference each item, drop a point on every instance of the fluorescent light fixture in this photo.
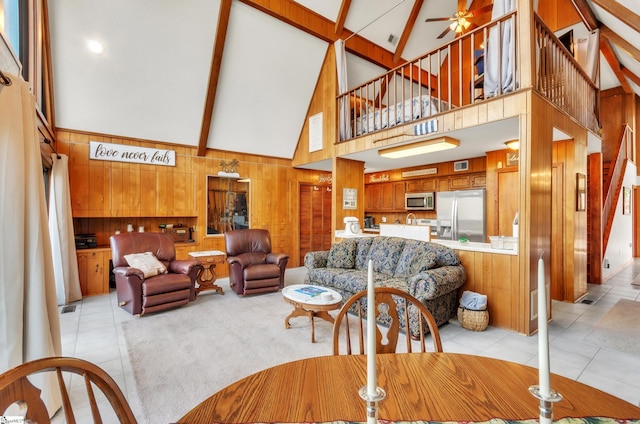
(420, 148)
(513, 144)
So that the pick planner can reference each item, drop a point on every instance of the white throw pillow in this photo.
(147, 263)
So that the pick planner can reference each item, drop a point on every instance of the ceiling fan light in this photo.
(454, 26)
(465, 23)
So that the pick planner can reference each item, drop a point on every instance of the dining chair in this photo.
(394, 308)
(15, 388)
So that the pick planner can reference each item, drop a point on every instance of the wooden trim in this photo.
(586, 14)
(214, 74)
(619, 11)
(610, 55)
(408, 28)
(342, 15)
(620, 42)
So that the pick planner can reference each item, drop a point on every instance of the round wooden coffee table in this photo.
(311, 301)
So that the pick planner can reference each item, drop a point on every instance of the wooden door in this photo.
(315, 219)
(557, 233)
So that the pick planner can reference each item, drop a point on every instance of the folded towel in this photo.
(473, 301)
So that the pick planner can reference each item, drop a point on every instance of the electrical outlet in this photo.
(606, 263)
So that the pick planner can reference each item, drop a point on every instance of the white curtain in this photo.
(65, 262)
(499, 63)
(29, 321)
(343, 86)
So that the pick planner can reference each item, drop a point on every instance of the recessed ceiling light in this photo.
(95, 47)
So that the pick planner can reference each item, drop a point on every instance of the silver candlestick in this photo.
(546, 403)
(372, 403)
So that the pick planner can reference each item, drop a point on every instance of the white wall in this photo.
(620, 248)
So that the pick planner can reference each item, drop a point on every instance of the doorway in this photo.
(315, 219)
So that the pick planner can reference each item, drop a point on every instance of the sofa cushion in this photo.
(416, 257)
(147, 263)
(385, 253)
(342, 255)
(362, 252)
(445, 255)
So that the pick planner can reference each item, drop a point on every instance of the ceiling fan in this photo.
(460, 21)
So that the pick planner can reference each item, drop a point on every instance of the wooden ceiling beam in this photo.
(342, 15)
(214, 74)
(408, 28)
(586, 14)
(620, 12)
(620, 42)
(609, 54)
(633, 77)
(306, 20)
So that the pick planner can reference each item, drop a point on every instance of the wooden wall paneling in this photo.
(507, 200)
(495, 276)
(78, 174)
(346, 174)
(557, 229)
(594, 219)
(636, 220)
(323, 100)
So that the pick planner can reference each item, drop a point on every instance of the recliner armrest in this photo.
(239, 260)
(182, 266)
(128, 271)
(276, 258)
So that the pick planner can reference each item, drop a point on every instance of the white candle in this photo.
(372, 383)
(543, 335)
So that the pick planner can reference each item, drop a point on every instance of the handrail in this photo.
(431, 84)
(611, 190)
(561, 79)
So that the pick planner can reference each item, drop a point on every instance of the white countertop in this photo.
(343, 234)
(474, 247)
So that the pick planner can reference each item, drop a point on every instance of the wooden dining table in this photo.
(419, 387)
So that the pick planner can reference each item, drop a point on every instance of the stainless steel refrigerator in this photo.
(461, 214)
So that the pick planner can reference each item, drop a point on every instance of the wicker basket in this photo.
(473, 320)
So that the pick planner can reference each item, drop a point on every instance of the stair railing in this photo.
(613, 183)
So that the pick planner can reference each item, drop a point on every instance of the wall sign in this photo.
(315, 132)
(349, 198)
(134, 154)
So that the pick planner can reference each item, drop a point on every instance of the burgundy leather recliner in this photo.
(252, 267)
(140, 296)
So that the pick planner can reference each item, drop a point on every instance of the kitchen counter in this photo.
(415, 232)
(340, 234)
(474, 247)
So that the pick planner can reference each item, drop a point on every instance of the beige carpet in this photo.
(619, 329)
(181, 357)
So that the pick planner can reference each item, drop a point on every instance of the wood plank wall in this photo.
(109, 194)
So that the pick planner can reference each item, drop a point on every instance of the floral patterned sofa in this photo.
(430, 272)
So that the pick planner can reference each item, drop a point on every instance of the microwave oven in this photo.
(420, 201)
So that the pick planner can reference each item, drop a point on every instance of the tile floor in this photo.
(94, 332)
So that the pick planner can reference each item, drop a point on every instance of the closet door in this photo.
(315, 219)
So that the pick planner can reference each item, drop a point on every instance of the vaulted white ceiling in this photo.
(151, 81)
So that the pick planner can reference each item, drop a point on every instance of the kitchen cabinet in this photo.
(384, 197)
(462, 182)
(417, 186)
(93, 271)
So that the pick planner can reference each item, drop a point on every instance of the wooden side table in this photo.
(312, 305)
(207, 277)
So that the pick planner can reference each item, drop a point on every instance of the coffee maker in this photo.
(368, 221)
